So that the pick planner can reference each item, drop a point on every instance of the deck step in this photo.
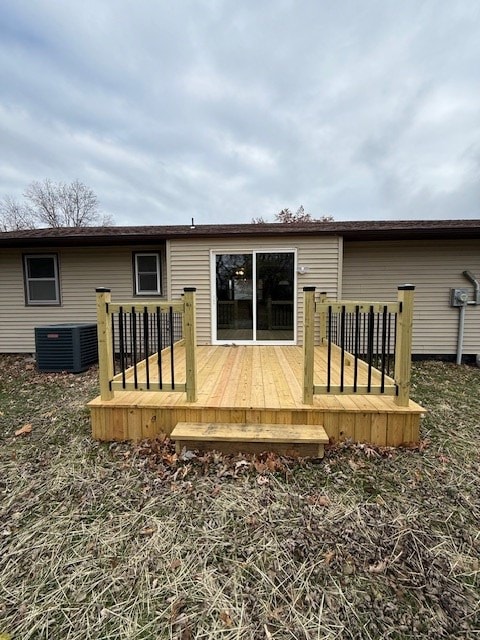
(296, 440)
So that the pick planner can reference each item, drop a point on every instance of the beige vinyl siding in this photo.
(81, 271)
(373, 270)
(190, 266)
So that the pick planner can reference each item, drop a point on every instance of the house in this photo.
(249, 277)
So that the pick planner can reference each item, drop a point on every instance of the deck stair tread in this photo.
(243, 432)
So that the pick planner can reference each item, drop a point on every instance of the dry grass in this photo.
(115, 541)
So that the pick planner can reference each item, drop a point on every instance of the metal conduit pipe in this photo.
(461, 326)
(476, 286)
(462, 301)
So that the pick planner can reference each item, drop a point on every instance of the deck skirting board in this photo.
(383, 428)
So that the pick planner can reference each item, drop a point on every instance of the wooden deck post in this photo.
(403, 351)
(190, 336)
(308, 343)
(105, 349)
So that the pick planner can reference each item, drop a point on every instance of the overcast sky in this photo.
(225, 110)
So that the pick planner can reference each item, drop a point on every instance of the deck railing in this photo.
(137, 343)
(369, 345)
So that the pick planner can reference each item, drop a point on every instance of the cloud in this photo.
(225, 110)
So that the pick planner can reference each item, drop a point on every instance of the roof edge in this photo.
(350, 231)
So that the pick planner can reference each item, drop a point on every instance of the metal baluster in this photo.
(113, 344)
(133, 317)
(384, 337)
(121, 330)
(342, 346)
(329, 347)
(389, 339)
(159, 347)
(146, 345)
(357, 346)
(371, 329)
(395, 343)
(364, 323)
(172, 356)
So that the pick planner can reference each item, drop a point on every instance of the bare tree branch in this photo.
(78, 205)
(15, 215)
(64, 205)
(285, 216)
(44, 202)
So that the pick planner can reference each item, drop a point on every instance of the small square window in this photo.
(147, 274)
(41, 279)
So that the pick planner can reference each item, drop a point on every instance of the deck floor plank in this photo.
(255, 377)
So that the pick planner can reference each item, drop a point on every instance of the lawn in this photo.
(101, 541)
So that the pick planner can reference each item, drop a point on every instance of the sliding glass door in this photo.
(254, 297)
(275, 280)
(234, 274)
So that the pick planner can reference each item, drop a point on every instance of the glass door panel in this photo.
(234, 292)
(275, 286)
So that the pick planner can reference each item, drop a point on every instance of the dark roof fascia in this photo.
(411, 234)
(80, 241)
(350, 231)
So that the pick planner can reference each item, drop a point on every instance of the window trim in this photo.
(27, 279)
(136, 273)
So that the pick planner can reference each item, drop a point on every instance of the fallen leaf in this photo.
(379, 567)
(170, 459)
(321, 501)
(423, 444)
(177, 607)
(272, 462)
(226, 618)
(187, 455)
(27, 428)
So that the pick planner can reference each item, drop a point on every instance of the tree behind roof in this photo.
(52, 204)
(285, 216)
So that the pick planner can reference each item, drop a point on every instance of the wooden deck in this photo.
(256, 385)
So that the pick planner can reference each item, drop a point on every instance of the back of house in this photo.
(249, 278)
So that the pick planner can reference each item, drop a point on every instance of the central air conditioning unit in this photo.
(66, 347)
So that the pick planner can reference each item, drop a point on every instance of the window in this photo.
(147, 274)
(41, 279)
